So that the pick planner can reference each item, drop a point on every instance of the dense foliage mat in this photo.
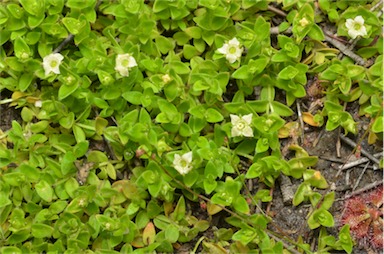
(142, 121)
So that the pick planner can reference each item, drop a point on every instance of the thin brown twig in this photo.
(364, 189)
(360, 176)
(344, 49)
(301, 121)
(356, 162)
(64, 43)
(338, 144)
(318, 138)
(363, 151)
(275, 30)
(373, 8)
(277, 11)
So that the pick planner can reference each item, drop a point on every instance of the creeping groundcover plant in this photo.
(166, 126)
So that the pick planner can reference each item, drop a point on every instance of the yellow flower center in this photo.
(232, 50)
(125, 62)
(183, 163)
(53, 63)
(357, 26)
(240, 125)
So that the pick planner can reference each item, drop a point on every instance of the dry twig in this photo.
(360, 176)
(359, 191)
(363, 151)
(301, 121)
(356, 162)
(344, 49)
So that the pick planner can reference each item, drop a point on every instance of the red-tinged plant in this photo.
(364, 214)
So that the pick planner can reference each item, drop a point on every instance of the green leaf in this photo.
(67, 121)
(321, 217)
(27, 114)
(316, 33)
(40, 230)
(172, 233)
(133, 97)
(245, 235)
(22, 50)
(262, 145)
(377, 125)
(213, 116)
(80, 4)
(66, 90)
(18, 237)
(288, 73)
(257, 66)
(189, 51)
(14, 178)
(242, 73)
(35, 21)
(10, 250)
(354, 70)
(328, 200)
(209, 184)
(32, 173)
(301, 193)
(79, 133)
(255, 170)
(241, 205)
(44, 190)
(179, 67)
(164, 44)
(194, 32)
(345, 238)
(15, 10)
(281, 109)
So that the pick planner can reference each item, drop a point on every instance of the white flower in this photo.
(124, 62)
(356, 27)
(38, 104)
(232, 50)
(166, 78)
(183, 163)
(241, 125)
(52, 62)
(303, 22)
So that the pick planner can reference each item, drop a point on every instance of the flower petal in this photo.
(187, 157)
(234, 119)
(176, 159)
(349, 23)
(132, 62)
(235, 132)
(231, 58)
(223, 49)
(248, 118)
(359, 19)
(363, 31)
(247, 132)
(234, 42)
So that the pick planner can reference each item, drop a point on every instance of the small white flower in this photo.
(356, 27)
(303, 22)
(52, 62)
(183, 163)
(241, 125)
(124, 62)
(166, 78)
(232, 50)
(38, 104)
